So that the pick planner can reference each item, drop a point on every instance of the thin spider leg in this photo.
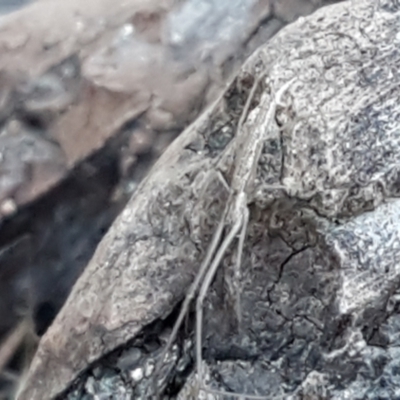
(250, 98)
(204, 289)
(190, 294)
(240, 225)
(237, 272)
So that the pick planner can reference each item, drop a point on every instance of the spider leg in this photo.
(191, 293)
(204, 289)
(239, 226)
(237, 272)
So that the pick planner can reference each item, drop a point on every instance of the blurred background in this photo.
(7, 6)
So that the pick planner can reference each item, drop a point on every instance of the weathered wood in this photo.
(321, 262)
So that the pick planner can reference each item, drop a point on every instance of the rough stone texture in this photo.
(320, 284)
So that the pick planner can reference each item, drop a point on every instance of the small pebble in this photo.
(14, 127)
(137, 374)
(141, 141)
(90, 386)
(129, 359)
(8, 207)
(149, 369)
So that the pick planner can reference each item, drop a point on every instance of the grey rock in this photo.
(87, 97)
(320, 277)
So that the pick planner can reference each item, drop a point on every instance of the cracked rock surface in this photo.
(320, 269)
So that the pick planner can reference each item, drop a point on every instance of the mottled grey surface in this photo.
(320, 276)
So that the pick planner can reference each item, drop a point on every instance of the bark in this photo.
(321, 263)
